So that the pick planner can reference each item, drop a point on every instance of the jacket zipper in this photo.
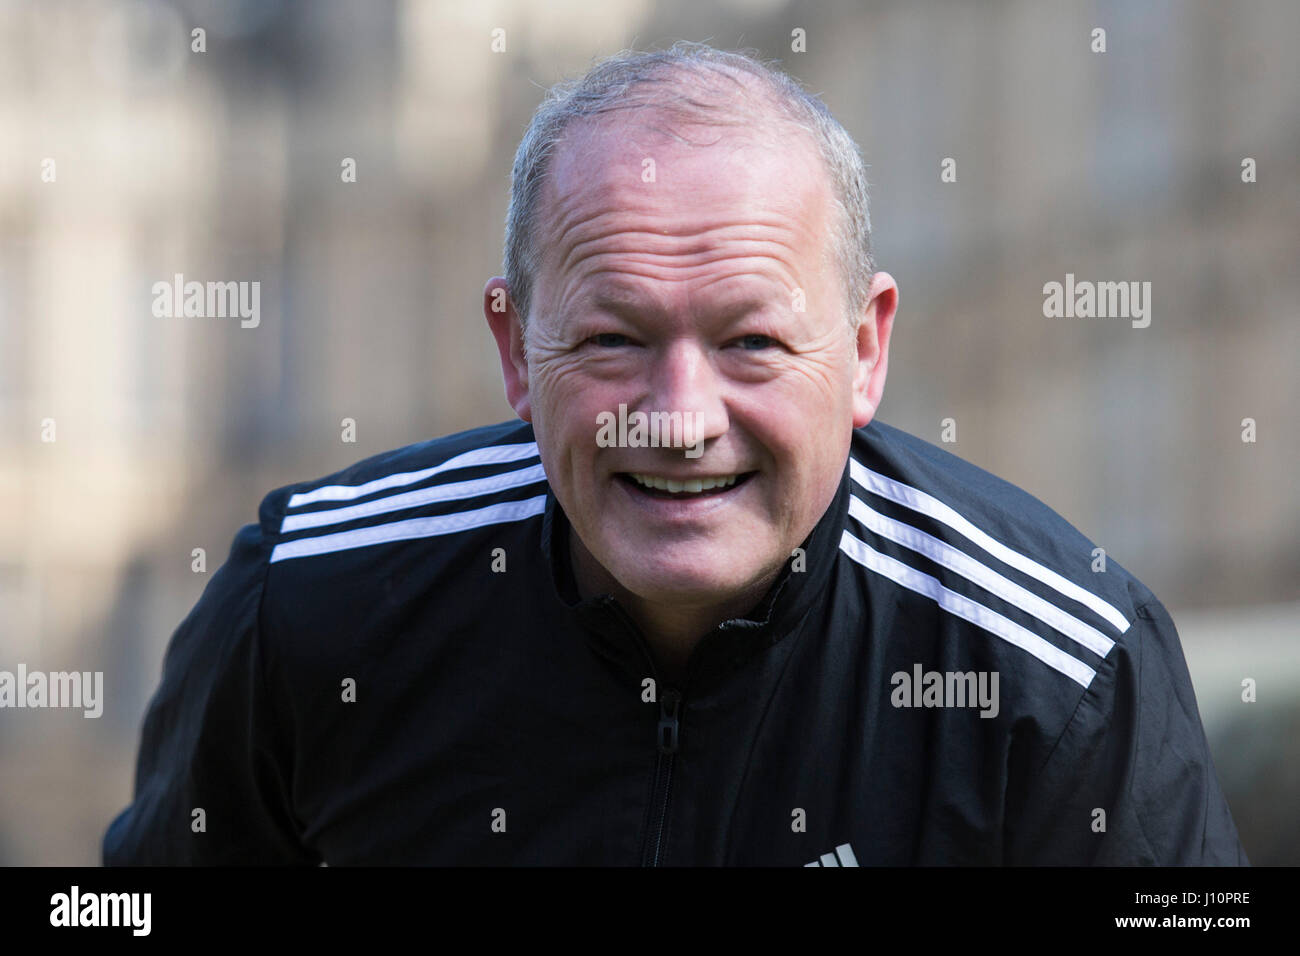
(666, 741)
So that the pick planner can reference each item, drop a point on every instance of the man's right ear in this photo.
(508, 330)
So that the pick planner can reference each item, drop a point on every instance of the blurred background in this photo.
(228, 164)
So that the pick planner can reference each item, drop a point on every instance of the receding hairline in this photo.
(695, 86)
(759, 111)
(758, 117)
(667, 128)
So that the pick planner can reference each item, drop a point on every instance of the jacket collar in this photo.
(612, 633)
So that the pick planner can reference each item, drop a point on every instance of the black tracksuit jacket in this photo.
(393, 667)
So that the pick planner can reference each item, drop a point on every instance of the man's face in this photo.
(704, 289)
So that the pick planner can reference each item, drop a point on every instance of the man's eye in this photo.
(754, 343)
(608, 340)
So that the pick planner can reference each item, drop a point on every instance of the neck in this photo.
(673, 628)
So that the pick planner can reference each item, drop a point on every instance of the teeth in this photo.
(690, 485)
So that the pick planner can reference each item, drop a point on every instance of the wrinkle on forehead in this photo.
(722, 206)
(707, 256)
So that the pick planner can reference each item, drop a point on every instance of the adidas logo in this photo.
(843, 856)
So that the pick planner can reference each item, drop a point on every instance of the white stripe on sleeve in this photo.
(941, 552)
(965, 608)
(492, 455)
(926, 504)
(414, 499)
(411, 528)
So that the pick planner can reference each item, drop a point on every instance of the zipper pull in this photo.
(669, 703)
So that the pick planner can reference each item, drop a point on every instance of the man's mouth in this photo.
(658, 486)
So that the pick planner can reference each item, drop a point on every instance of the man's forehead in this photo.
(644, 163)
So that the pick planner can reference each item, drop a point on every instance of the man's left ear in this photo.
(873, 347)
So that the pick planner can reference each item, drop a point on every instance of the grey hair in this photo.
(631, 80)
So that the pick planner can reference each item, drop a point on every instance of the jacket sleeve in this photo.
(1130, 781)
(209, 742)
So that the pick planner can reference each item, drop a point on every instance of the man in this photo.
(784, 634)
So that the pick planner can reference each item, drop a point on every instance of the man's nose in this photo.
(684, 380)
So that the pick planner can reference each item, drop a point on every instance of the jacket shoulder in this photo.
(396, 469)
(425, 490)
(980, 509)
(989, 567)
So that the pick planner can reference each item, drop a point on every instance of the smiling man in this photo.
(706, 291)
(789, 635)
